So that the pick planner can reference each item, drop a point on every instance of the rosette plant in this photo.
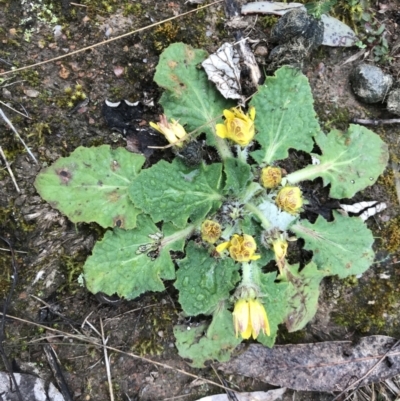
(224, 229)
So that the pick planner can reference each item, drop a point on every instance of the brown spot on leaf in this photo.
(172, 64)
(119, 222)
(113, 196)
(65, 175)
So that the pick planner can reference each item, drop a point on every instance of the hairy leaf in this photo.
(302, 295)
(350, 161)
(285, 117)
(189, 96)
(203, 281)
(91, 185)
(342, 247)
(131, 262)
(238, 174)
(217, 343)
(166, 192)
(275, 303)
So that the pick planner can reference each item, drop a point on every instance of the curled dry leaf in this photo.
(327, 366)
(222, 68)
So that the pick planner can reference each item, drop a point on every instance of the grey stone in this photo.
(393, 101)
(370, 83)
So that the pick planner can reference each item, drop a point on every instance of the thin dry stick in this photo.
(9, 170)
(112, 39)
(18, 136)
(106, 361)
(90, 341)
(11, 108)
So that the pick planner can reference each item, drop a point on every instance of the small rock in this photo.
(370, 83)
(393, 101)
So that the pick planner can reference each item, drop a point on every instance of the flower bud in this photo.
(271, 177)
(210, 231)
(290, 199)
(249, 318)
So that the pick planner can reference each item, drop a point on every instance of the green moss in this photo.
(268, 21)
(158, 318)
(332, 116)
(372, 307)
(133, 9)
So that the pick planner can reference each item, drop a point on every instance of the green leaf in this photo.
(131, 262)
(189, 97)
(204, 281)
(275, 303)
(302, 295)
(342, 247)
(238, 174)
(350, 161)
(285, 117)
(164, 192)
(92, 185)
(217, 343)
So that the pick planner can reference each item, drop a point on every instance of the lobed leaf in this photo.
(118, 266)
(302, 295)
(203, 281)
(189, 96)
(285, 116)
(166, 192)
(350, 161)
(342, 247)
(275, 303)
(238, 174)
(217, 343)
(91, 185)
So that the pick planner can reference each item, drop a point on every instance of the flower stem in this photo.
(222, 148)
(251, 207)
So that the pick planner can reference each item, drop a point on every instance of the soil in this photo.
(50, 250)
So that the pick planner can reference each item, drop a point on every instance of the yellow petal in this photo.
(229, 115)
(258, 318)
(221, 247)
(155, 126)
(221, 130)
(252, 112)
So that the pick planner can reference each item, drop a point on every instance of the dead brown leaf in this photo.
(327, 366)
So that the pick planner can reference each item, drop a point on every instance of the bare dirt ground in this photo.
(52, 250)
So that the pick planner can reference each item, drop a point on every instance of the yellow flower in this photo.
(249, 318)
(289, 199)
(172, 131)
(238, 126)
(210, 231)
(280, 249)
(241, 248)
(271, 177)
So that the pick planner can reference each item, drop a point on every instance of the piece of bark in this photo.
(327, 366)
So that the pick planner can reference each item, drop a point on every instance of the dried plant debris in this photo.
(364, 210)
(222, 68)
(227, 67)
(327, 366)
